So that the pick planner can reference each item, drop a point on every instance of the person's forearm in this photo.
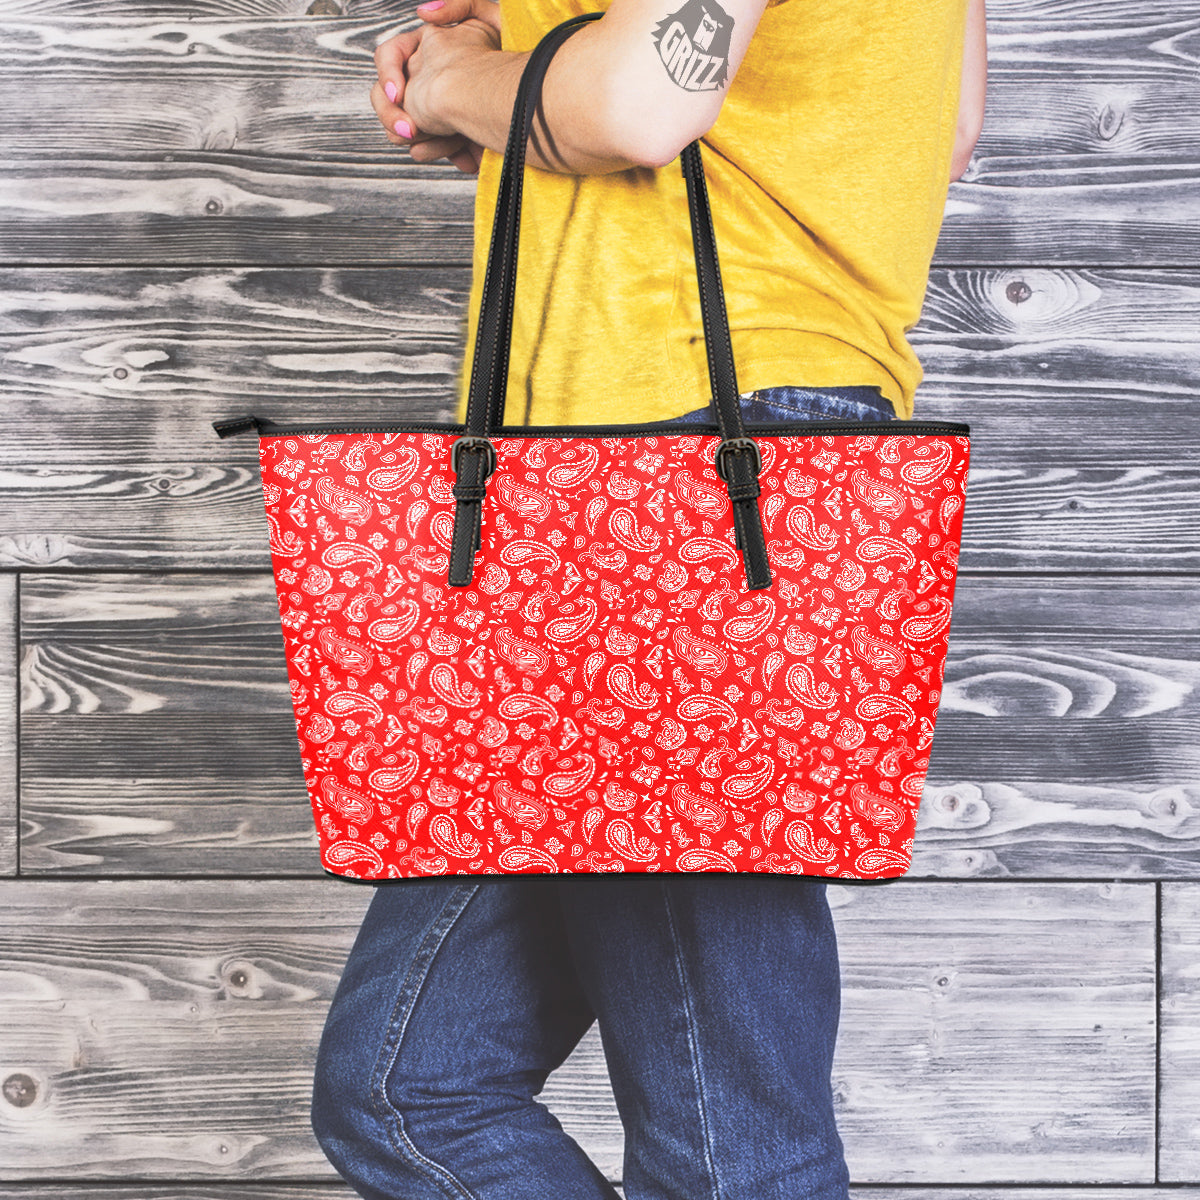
(608, 101)
(972, 90)
(478, 99)
(629, 90)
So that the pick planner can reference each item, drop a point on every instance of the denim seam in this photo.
(406, 1001)
(693, 1047)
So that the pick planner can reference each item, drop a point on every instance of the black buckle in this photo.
(737, 445)
(473, 445)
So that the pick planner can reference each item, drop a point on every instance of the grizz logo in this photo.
(694, 45)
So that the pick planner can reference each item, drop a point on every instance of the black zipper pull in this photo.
(235, 425)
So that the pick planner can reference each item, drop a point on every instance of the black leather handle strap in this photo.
(493, 335)
(474, 458)
(737, 459)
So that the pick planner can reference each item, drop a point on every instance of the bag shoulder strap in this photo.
(737, 461)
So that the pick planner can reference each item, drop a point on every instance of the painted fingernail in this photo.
(433, 5)
(403, 128)
(390, 90)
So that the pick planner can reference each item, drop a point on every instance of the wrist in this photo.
(481, 94)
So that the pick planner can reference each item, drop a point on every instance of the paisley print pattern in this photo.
(607, 695)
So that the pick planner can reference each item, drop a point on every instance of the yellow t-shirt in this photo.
(827, 168)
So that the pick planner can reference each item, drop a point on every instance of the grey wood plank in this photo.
(125, 366)
(1068, 732)
(8, 725)
(229, 208)
(164, 516)
(168, 1030)
(173, 697)
(1048, 517)
(99, 375)
(190, 515)
(295, 87)
(214, 1191)
(1001, 1034)
(1023, 32)
(1067, 971)
(165, 10)
(226, 207)
(1179, 1018)
(1004, 16)
(1095, 118)
(1009, 1192)
(1068, 742)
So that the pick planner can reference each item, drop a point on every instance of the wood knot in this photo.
(1018, 291)
(240, 980)
(1109, 123)
(20, 1090)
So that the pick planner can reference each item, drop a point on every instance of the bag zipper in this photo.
(900, 428)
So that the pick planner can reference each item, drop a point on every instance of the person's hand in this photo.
(408, 99)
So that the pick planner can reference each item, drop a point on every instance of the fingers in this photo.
(467, 159)
(430, 149)
(392, 58)
(450, 12)
(391, 55)
(456, 149)
(401, 130)
(397, 124)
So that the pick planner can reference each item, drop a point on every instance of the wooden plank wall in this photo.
(198, 218)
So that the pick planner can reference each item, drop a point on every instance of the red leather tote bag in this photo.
(648, 648)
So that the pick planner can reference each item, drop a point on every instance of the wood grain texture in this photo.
(997, 1034)
(1179, 1017)
(216, 207)
(185, 516)
(314, 10)
(1060, 97)
(172, 696)
(129, 367)
(1090, 161)
(1068, 742)
(123, 366)
(1017, 1192)
(1020, 30)
(184, 10)
(228, 1191)
(8, 725)
(1029, 17)
(1068, 1092)
(1080, 387)
(210, 514)
(169, 1028)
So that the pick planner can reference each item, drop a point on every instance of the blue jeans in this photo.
(717, 999)
(807, 404)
